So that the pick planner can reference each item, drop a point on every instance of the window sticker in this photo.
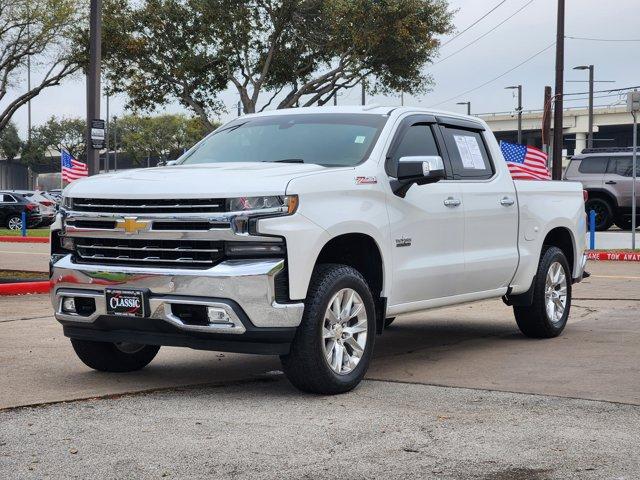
(359, 139)
(470, 152)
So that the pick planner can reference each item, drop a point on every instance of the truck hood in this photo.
(218, 180)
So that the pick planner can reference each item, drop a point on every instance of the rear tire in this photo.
(14, 222)
(112, 357)
(547, 316)
(604, 212)
(330, 353)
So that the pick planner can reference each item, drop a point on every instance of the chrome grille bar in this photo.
(150, 249)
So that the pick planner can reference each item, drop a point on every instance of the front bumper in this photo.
(244, 289)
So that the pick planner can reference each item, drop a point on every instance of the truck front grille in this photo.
(149, 206)
(157, 253)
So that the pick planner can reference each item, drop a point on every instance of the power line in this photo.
(605, 91)
(496, 78)
(485, 34)
(605, 39)
(473, 24)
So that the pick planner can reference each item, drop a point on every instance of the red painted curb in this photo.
(16, 239)
(24, 288)
(614, 256)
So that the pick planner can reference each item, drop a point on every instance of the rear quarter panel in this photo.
(543, 207)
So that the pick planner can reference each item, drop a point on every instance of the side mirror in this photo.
(420, 170)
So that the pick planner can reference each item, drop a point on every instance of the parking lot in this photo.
(451, 393)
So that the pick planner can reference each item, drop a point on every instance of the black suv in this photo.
(11, 207)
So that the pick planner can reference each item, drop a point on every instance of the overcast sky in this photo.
(525, 34)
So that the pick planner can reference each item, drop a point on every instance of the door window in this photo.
(593, 165)
(6, 198)
(622, 166)
(468, 154)
(416, 140)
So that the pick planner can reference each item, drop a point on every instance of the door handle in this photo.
(452, 202)
(507, 201)
(611, 182)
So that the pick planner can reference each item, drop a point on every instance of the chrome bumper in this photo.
(244, 288)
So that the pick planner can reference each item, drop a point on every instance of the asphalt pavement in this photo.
(451, 393)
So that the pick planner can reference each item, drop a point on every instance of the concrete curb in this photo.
(24, 288)
(613, 256)
(16, 239)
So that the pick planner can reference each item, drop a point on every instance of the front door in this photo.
(427, 225)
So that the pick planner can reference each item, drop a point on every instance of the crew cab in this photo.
(303, 233)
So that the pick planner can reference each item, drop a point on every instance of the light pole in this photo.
(468, 104)
(591, 82)
(519, 109)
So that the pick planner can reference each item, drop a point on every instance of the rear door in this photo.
(619, 180)
(491, 209)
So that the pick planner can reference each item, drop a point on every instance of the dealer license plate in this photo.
(125, 303)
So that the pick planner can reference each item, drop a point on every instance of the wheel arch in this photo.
(603, 194)
(362, 252)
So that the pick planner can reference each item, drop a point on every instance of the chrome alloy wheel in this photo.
(344, 331)
(15, 223)
(555, 292)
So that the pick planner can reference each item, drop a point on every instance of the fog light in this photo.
(218, 315)
(68, 305)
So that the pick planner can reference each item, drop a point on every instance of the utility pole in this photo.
(519, 109)
(468, 104)
(591, 83)
(633, 107)
(364, 91)
(28, 75)
(115, 145)
(559, 92)
(546, 122)
(93, 81)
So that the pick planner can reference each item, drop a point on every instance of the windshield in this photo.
(324, 139)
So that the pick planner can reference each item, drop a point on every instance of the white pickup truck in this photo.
(303, 233)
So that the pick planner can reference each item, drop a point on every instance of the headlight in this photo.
(66, 203)
(285, 205)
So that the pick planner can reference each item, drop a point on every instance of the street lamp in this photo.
(590, 134)
(519, 109)
(468, 104)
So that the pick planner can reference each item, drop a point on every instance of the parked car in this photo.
(56, 194)
(11, 207)
(46, 205)
(607, 175)
(303, 233)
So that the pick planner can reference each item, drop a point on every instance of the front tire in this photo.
(547, 316)
(114, 357)
(332, 347)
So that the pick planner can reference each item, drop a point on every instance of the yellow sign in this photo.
(132, 224)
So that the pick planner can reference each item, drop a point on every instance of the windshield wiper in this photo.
(286, 160)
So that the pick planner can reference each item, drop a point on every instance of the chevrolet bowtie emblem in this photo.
(132, 224)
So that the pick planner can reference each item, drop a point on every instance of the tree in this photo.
(161, 136)
(297, 52)
(59, 133)
(42, 31)
(10, 143)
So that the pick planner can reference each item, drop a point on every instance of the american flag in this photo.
(72, 169)
(525, 162)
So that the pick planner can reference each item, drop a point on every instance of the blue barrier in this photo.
(23, 217)
(592, 230)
